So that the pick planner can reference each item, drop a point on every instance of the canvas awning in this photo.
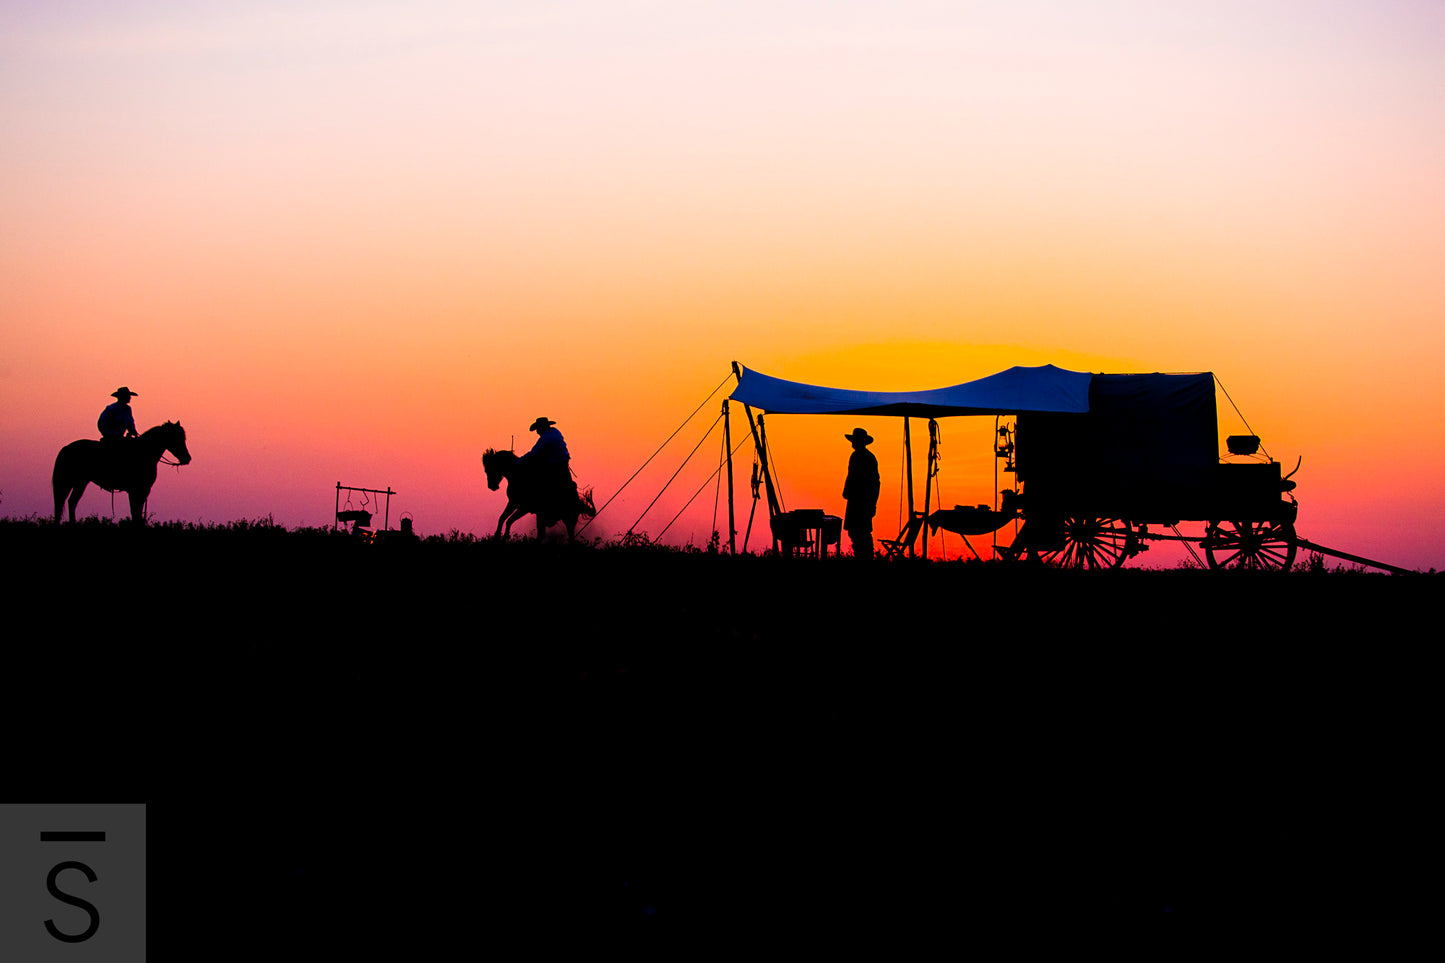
(1019, 389)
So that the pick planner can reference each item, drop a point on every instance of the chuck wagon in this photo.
(1099, 458)
(1146, 453)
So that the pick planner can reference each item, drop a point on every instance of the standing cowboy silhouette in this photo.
(861, 492)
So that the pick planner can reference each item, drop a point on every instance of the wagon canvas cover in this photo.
(1147, 448)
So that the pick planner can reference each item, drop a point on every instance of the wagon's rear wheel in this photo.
(1250, 546)
(1092, 543)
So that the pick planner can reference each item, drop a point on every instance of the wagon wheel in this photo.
(1250, 546)
(1092, 543)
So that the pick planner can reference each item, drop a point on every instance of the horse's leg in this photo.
(511, 515)
(75, 494)
(138, 507)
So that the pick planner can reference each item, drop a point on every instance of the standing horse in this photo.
(526, 495)
(128, 465)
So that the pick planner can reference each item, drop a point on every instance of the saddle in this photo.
(113, 464)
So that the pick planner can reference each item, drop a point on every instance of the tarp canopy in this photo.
(1045, 388)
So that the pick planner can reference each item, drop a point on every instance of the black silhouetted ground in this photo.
(399, 746)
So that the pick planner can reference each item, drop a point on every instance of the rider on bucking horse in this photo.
(550, 460)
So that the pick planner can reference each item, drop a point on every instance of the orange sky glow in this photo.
(361, 242)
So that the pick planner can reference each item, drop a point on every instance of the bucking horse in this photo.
(527, 495)
(123, 465)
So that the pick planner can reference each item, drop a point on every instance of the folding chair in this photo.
(897, 546)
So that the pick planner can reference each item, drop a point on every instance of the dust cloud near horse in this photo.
(122, 465)
(528, 495)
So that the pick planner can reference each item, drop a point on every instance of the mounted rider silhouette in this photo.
(550, 461)
(116, 422)
(117, 437)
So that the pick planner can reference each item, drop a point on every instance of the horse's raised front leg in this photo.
(512, 513)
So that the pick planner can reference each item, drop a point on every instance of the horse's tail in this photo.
(73, 465)
(69, 464)
(588, 508)
(60, 480)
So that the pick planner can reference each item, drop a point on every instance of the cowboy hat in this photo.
(859, 435)
(541, 423)
(123, 391)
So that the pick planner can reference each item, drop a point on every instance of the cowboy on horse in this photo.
(550, 461)
(116, 422)
(538, 483)
(116, 464)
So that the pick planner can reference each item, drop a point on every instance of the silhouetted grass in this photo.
(246, 534)
(637, 739)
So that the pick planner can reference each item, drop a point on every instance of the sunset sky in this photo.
(361, 242)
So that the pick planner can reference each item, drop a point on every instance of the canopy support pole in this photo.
(760, 444)
(774, 509)
(928, 479)
(728, 447)
(908, 463)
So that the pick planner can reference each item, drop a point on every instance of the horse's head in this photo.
(495, 464)
(175, 441)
